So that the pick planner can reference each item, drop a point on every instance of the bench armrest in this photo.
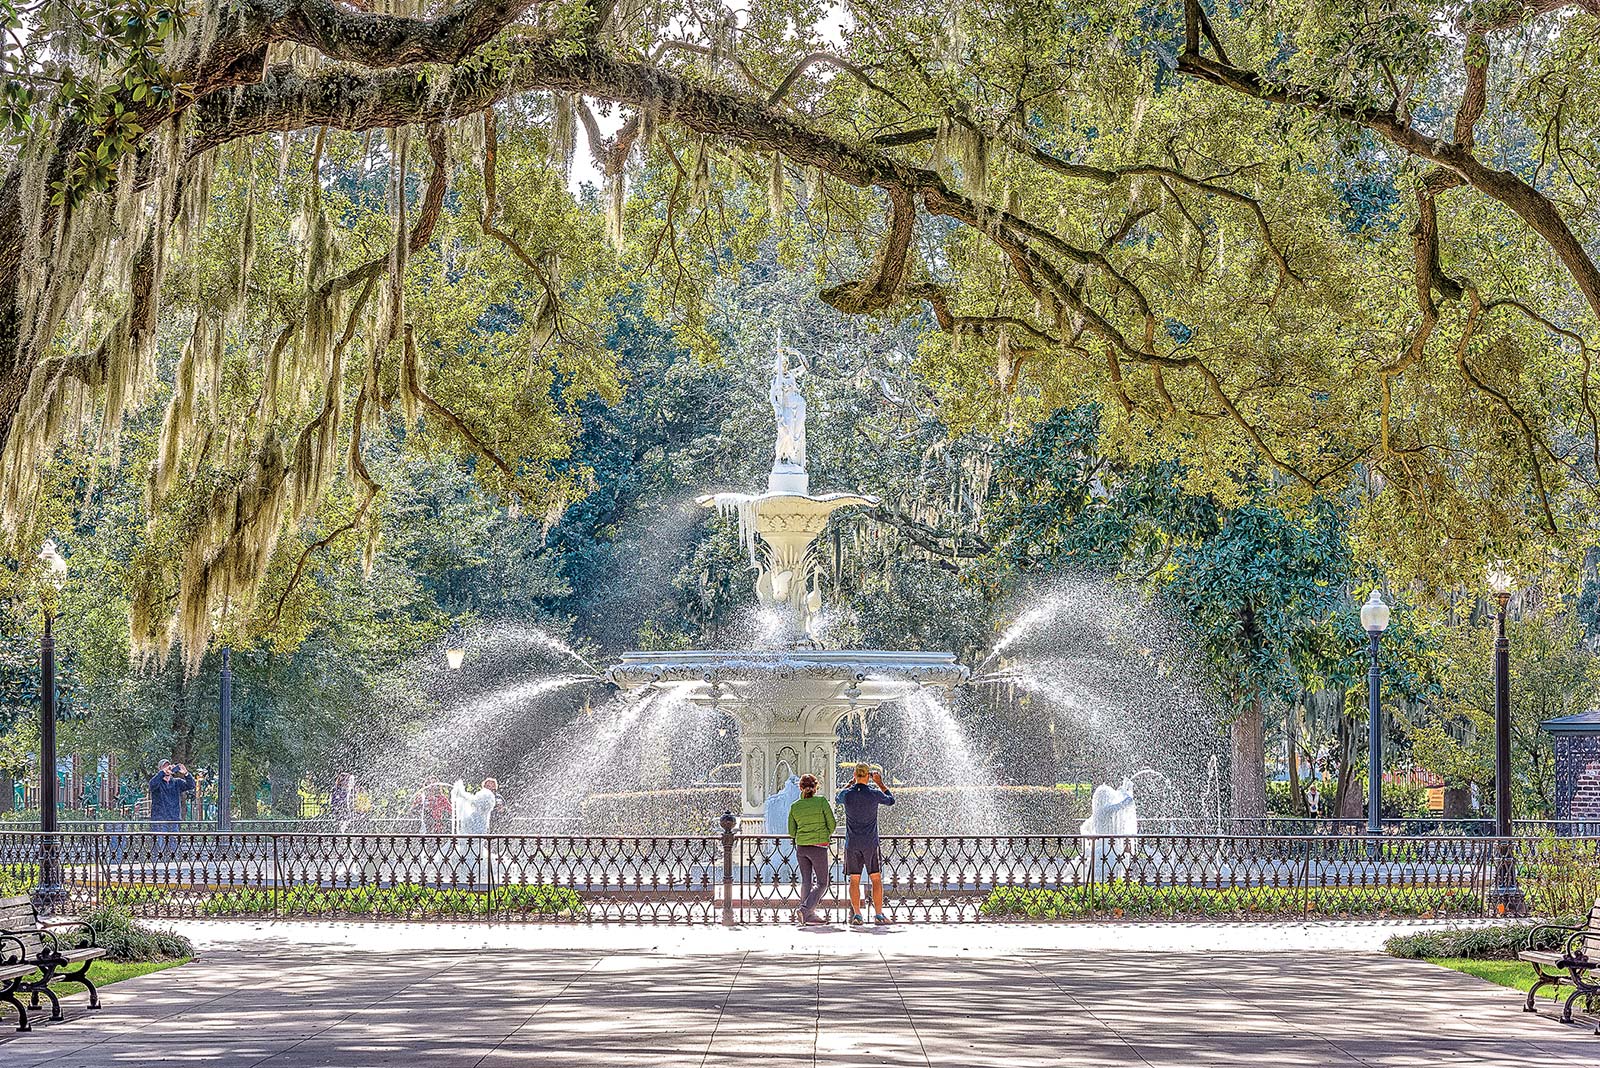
(66, 924)
(1574, 948)
(1533, 935)
(21, 951)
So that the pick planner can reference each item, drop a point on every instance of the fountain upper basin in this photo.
(778, 675)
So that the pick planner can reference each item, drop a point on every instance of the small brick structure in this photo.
(1577, 747)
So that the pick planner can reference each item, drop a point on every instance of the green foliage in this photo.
(1137, 901)
(1551, 674)
(1562, 876)
(127, 939)
(18, 879)
(404, 900)
(1501, 941)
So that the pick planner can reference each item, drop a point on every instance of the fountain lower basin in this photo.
(788, 703)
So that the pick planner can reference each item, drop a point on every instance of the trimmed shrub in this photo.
(126, 939)
(1500, 942)
(405, 900)
(1138, 901)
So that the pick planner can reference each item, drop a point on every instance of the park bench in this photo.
(27, 940)
(1572, 963)
(12, 972)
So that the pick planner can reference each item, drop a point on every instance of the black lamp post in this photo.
(1375, 619)
(1507, 895)
(225, 743)
(49, 892)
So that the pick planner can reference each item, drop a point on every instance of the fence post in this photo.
(728, 824)
(277, 876)
(1305, 880)
(488, 863)
(1091, 876)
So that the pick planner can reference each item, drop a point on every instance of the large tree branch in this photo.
(1535, 209)
(349, 99)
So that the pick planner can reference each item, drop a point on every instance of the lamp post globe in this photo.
(1374, 620)
(455, 649)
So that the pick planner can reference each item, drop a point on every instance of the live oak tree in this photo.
(1054, 182)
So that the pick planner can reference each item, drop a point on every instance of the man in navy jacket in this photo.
(167, 787)
(860, 801)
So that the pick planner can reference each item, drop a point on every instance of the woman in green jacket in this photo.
(811, 824)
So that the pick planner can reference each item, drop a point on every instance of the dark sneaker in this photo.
(797, 916)
(811, 920)
(856, 919)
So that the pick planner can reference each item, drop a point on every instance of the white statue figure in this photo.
(778, 805)
(469, 815)
(789, 408)
(1113, 824)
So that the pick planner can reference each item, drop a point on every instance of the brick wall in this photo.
(1577, 776)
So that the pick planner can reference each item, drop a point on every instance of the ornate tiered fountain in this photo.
(789, 697)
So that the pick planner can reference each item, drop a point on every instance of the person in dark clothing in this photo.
(861, 801)
(167, 787)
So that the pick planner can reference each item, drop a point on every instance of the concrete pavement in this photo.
(300, 995)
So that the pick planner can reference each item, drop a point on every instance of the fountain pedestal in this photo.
(788, 703)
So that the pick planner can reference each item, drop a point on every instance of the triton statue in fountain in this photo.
(788, 698)
(789, 409)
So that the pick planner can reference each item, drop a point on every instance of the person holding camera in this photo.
(167, 787)
(811, 824)
(861, 801)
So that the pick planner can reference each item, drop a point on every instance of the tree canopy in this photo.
(1321, 249)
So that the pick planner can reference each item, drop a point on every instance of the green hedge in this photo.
(1499, 942)
(407, 899)
(1136, 900)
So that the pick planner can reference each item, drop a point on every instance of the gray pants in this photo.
(813, 875)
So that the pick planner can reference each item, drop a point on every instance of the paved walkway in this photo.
(298, 995)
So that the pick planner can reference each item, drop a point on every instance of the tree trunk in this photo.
(1249, 762)
(1291, 735)
(1346, 799)
(8, 791)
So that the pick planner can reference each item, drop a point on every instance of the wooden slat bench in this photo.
(27, 939)
(1572, 963)
(11, 975)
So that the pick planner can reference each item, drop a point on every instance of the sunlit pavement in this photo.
(289, 995)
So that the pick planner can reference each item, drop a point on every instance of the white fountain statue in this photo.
(789, 409)
(787, 699)
(778, 805)
(1112, 828)
(469, 815)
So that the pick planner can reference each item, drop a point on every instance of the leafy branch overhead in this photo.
(296, 225)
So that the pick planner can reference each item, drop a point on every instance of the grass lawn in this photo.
(1513, 973)
(106, 972)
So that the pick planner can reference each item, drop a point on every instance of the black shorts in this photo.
(862, 858)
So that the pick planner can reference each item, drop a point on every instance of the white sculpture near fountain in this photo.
(469, 815)
(778, 805)
(1112, 828)
(787, 699)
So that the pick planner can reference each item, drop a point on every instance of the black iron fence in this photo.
(732, 878)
